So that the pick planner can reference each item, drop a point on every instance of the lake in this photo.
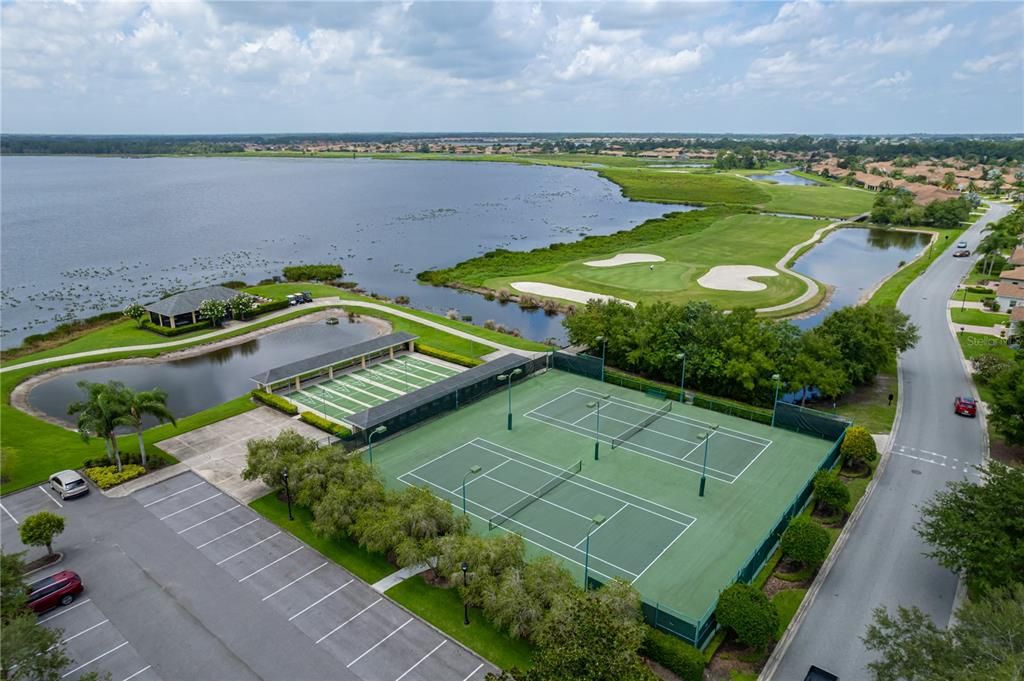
(85, 235)
(204, 381)
(782, 177)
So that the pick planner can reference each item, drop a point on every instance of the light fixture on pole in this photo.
(682, 377)
(775, 404)
(287, 493)
(472, 471)
(508, 377)
(465, 583)
(380, 430)
(704, 469)
(594, 522)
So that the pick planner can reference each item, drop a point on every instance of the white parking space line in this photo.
(235, 555)
(147, 668)
(50, 497)
(374, 646)
(180, 491)
(320, 600)
(201, 522)
(421, 660)
(470, 675)
(182, 510)
(337, 628)
(9, 514)
(207, 543)
(294, 581)
(270, 564)
(84, 631)
(98, 657)
(64, 611)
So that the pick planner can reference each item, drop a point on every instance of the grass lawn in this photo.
(868, 405)
(787, 602)
(958, 296)
(443, 608)
(977, 317)
(370, 567)
(889, 293)
(977, 344)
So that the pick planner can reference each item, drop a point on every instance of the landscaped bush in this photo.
(675, 655)
(346, 284)
(452, 357)
(748, 613)
(528, 302)
(858, 447)
(154, 459)
(178, 330)
(328, 426)
(981, 289)
(106, 477)
(312, 272)
(275, 401)
(235, 284)
(269, 307)
(805, 542)
(830, 494)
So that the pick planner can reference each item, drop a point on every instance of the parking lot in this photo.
(371, 636)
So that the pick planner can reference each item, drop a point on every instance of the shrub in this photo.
(270, 307)
(988, 366)
(401, 300)
(154, 460)
(137, 312)
(178, 330)
(275, 401)
(503, 295)
(326, 425)
(806, 542)
(830, 494)
(858, 447)
(452, 357)
(452, 314)
(39, 529)
(528, 302)
(348, 285)
(490, 325)
(981, 289)
(312, 272)
(106, 477)
(551, 306)
(677, 656)
(748, 613)
(235, 284)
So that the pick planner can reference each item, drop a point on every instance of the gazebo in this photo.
(183, 308)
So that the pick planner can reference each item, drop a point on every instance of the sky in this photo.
(645, 66)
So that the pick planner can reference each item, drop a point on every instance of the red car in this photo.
(58, 589)
(965, 406)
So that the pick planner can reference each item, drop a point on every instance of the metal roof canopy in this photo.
(324, 360)
(189, 301)
(374, 416)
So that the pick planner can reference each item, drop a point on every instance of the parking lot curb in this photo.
(148, 480)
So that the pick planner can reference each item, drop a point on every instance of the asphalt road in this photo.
(882, 563)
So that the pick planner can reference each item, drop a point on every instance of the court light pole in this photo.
(775, 404)
(682, 378)
(287, 493)
(596, 404)
(380, 430)
(604, 348)
(508, 377)
(704, 469)
(472, 471)
(465, 603)
(594, 523)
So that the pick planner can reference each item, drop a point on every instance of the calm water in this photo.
(782, 177)
(853, 260)
(207, 380)
(87, 235)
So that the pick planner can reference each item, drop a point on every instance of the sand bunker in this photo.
(736, 278)
(552, 291)
(625, 259)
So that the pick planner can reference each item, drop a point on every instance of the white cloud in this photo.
(905, 43)
(786, 70)
(793, 18)
(973, 68)
(898, 78)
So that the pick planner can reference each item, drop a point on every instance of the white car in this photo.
(961, 244)
(68, 484)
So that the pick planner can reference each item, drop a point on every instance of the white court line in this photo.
(657, 557)
(608, 520)
(470, 675)
(207, 543)
(763, 450)
(181, 491)
(438, 458)
(396, 377)
(414, 365)
(418, 662)
(48, 496)
(146, 668)
(321, 599)
(321, 399)
(65, 610)
(203, 522)
(374, 646)
(84, 631)
(98, 657)
(235, 555)
(542, 499)
(486, 473)
(270, 564)
(354, 385)
(9, 514)
(376, 384)
(321, 639)
(294, 581)
(423, 360)
(182, 510)
(344, 396)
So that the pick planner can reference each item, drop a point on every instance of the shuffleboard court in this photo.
(554, 508)
(672, 438)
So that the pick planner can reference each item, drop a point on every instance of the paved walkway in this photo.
(812, 286)
(971, 328)
(214, 335)
(968, 305)
(399, 576)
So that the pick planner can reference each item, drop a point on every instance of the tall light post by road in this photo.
(704, 469)
(287, 493)
(775, 404)
(682, 377)
(465, 583)
(594, 523)
(380, 430)
(508, 377)
(472, 471)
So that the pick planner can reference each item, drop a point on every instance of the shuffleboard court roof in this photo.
(374, 416)
(189, 301)
(324, 360)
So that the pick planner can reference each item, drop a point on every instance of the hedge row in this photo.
(178, 330)
(452, 357)
(677, 656)
(274, 401)
(326, 425)
(106, 477)
(268, 307)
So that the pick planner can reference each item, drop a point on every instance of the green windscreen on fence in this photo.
(582, 365)
(809, 421)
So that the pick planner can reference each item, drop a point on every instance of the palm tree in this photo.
(100, 414)
(949, 181)
(145, 403)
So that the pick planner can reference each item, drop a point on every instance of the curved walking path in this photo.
(812, 286)
(213, 335)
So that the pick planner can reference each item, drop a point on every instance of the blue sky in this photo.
(798, 67)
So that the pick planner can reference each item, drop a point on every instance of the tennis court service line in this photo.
(458, 488)
(541, 499)
(604, 524)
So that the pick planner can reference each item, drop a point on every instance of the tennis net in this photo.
(509, 511)
(633, 430)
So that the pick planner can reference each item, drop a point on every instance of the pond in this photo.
(197, 383)
(140, 227)
(782, 177)
(853, 260)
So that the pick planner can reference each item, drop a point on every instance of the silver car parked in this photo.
(68, 484)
